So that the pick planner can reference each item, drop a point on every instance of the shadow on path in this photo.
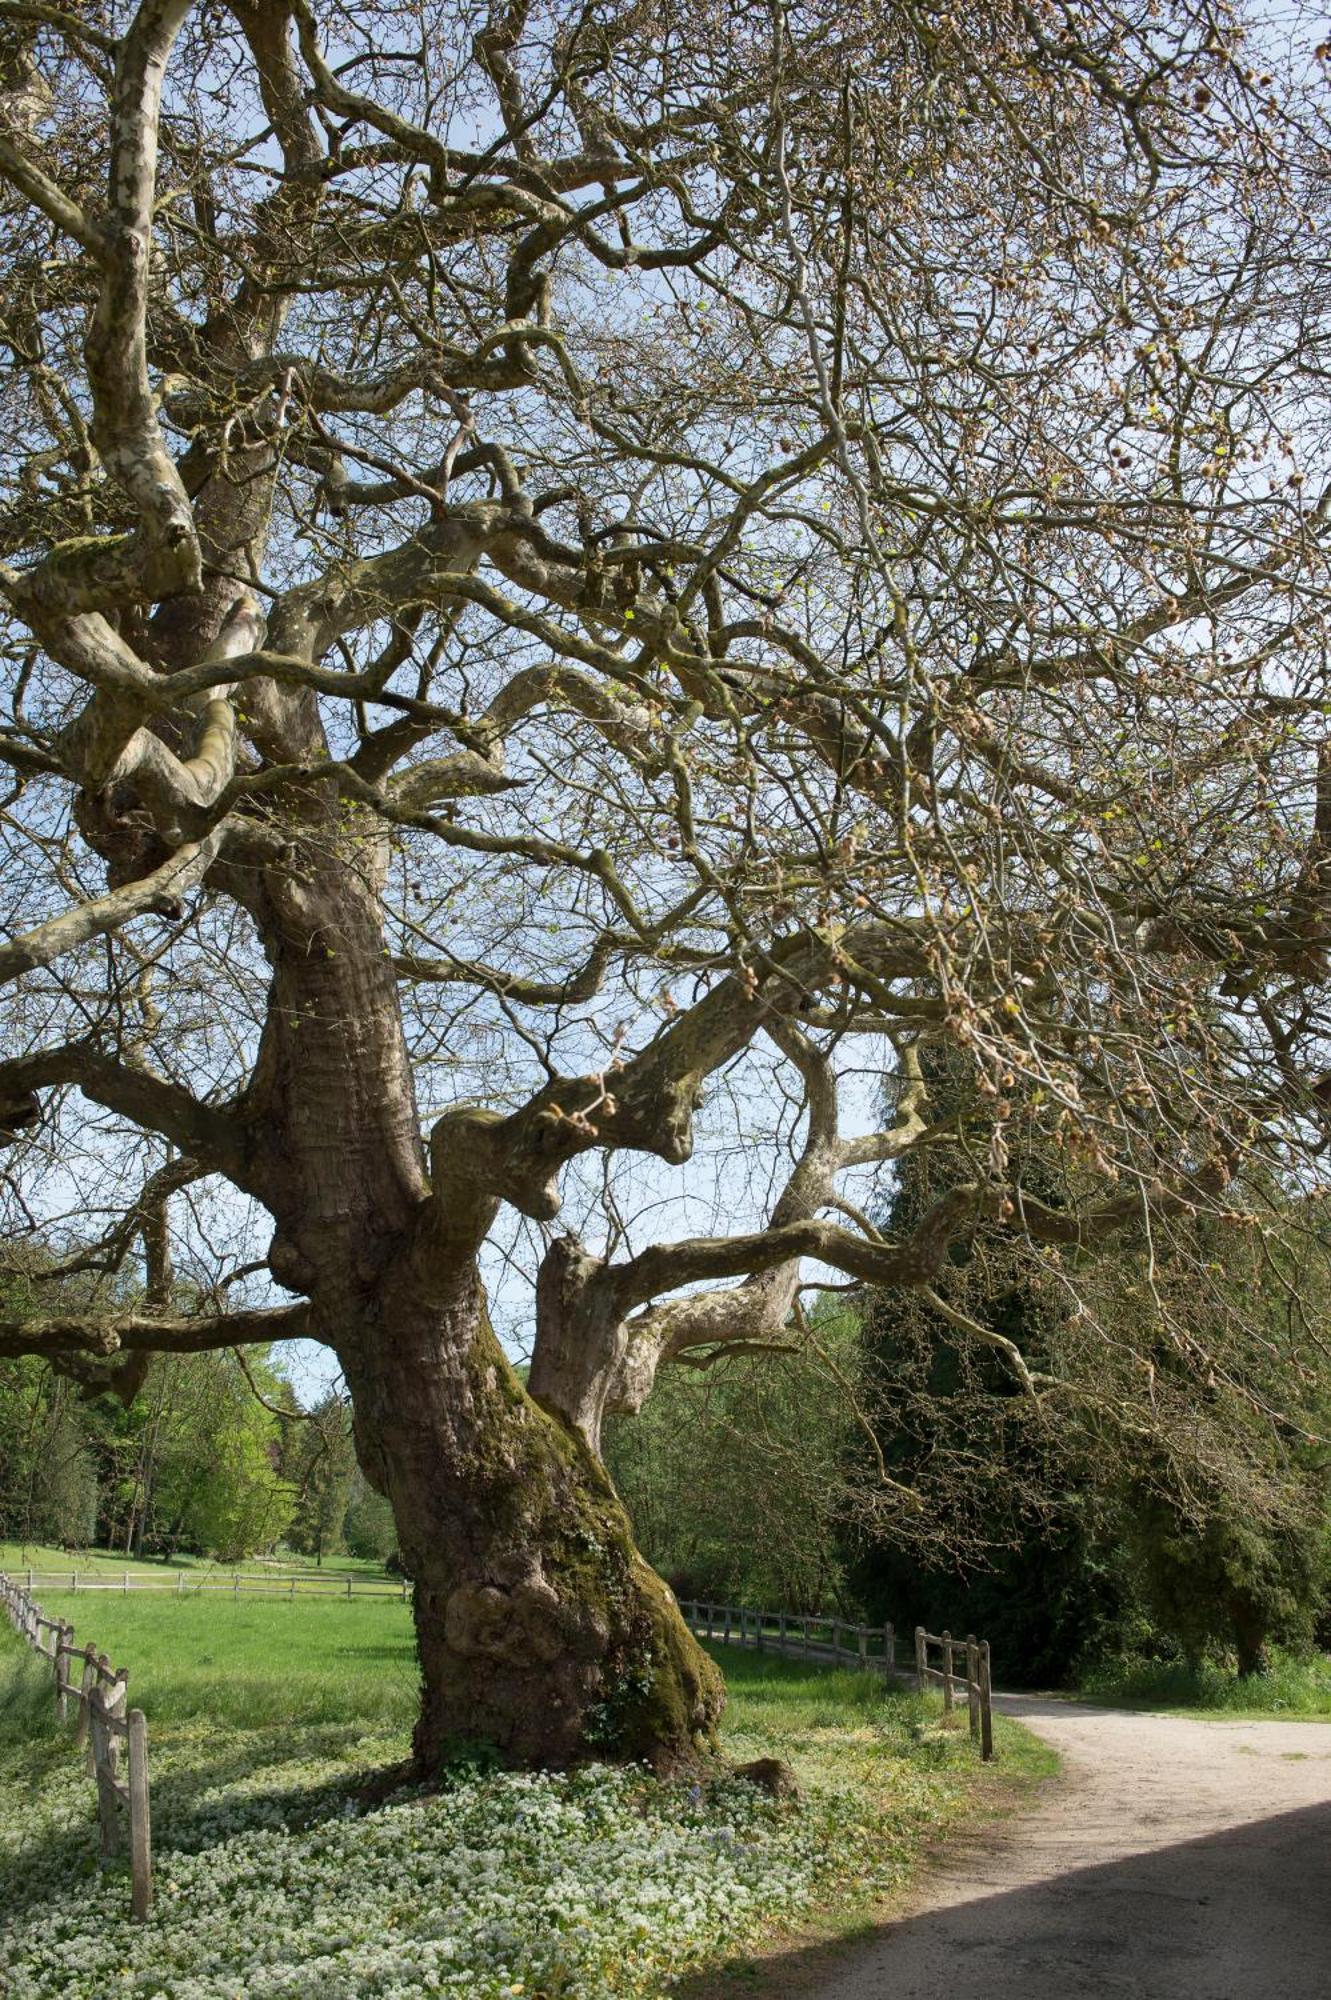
(1243, 1914)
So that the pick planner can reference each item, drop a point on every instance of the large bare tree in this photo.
(567, 563)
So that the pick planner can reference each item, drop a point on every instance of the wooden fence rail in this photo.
(870, 1647)
(127, 1583)
(104, 1723)
(976, 1680)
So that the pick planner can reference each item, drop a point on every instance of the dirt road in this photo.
(1173, 1860)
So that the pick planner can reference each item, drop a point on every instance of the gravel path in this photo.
(1172, 1860)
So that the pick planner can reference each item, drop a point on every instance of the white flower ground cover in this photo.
(599, 1884)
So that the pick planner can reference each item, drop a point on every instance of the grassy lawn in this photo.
(275, 1880)
(1295, 1688)
(260, 1664)
(18, 1557)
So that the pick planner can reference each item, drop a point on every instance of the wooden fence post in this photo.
(104, 1768)
(921, 1659)
(64, 1645)
(973, 1685)
(889, 1647)
(140, 1827)
(864, 1649)
(781, 1631)
(85, 1694)
(947, 1673)
(986, 1704)
(726, 1632)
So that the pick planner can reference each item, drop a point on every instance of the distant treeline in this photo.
(213, 1456)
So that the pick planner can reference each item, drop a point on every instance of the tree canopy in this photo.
(577, 579)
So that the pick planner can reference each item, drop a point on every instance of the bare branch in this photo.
(137, 1333)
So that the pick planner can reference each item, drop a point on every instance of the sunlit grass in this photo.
(837, 1719)
(16, 1558)
(256, 1663)
(266, 1716)
(1292, 1686)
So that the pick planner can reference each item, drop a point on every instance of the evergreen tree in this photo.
(1060, 1534)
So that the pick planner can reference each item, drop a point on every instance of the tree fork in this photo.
(540, 1628)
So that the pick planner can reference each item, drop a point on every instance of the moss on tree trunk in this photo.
(541, 1631)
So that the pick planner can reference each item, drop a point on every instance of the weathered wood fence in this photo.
(832, 1640)
(871, 1647)
(104, 1723)
(975, 1681)
(185, 1583)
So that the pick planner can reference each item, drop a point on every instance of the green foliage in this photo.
(48, 1482)
(319, 1463)
(1289, 1684)
(1228, 1550)
(48, 1486)
(369, 1528)
(192, 1464)
(215, 1485)
(731, 1474)
(1170, 1499)
(1226, 1581)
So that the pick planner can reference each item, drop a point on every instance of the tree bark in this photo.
(1250, 1631)
(541, 1631)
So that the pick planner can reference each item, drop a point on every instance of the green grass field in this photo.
(260, 1664)
(267, 1716)
(16, 1558)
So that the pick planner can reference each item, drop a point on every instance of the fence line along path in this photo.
(871, 1648)
(976, 1681)
(185, 1583)
(104, 1723)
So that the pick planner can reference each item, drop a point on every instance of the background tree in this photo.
(48, 1482)
(216, 1484)
(369, 1528)
(1209, 1530)
(319, 1463)
(565, 559)
(734, 1475)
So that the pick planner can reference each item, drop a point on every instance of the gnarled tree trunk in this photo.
(540, 1628)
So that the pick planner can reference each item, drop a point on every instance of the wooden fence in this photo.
(104, 1723)
(832, 1640)
(187, 1583)
(975, 1681)
(871, 1647)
